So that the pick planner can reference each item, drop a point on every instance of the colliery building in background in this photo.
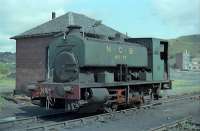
(195, 64)
(31, 46)
(184, 61)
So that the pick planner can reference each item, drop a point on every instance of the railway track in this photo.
(184, 124)
(57, 121)
(15, 123)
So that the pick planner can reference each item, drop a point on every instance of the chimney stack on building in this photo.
(53, 15)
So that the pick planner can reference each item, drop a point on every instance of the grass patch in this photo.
(7, 85)
(181, 83)
(7, 77)
(185, 87)
(7, 82)
(1, 103)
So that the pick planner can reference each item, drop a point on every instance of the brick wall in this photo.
(30, 61)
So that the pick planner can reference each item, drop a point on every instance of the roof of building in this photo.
(60, 23)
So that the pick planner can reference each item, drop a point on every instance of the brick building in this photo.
(184, 61)
(31, 46)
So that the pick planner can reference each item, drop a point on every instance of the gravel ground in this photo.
(148, 119)
(23, 109)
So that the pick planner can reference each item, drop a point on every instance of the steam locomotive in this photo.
(88, 71)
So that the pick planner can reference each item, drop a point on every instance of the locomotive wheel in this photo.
(43, 102)
(111, 108)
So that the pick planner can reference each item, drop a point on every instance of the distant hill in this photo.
(7, 57)
(180, 44)
(191, 38)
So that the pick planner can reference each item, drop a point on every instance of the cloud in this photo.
(6, 44)
(182, 16)
(179, 16)
(25, 13)
(18, 16)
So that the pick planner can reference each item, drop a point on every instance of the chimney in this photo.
(53, 15)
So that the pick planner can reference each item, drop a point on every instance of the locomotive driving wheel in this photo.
(111, 108)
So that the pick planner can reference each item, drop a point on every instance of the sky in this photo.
(139, 18)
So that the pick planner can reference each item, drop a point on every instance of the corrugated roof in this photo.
(60, 23)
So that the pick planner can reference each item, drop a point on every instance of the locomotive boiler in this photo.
(100, 72)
